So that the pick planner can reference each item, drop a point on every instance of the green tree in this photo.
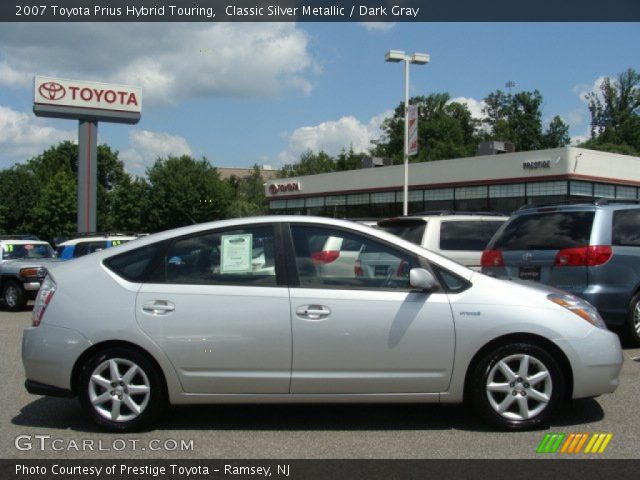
(518, 119)
(185, 190)
(445, 130)
(249, 195)
(310, 163)
(615, 114)
(54, 214)
(19, 192)
(131, 205)
(349, 160)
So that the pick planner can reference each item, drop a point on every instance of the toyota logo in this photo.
(527, 256)
(52, 91)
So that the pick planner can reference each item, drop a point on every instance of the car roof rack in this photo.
(580, 201)
(435, 213)
(19, 236)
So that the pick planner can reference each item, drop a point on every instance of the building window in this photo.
(414, 196)
(506, 191)
(336, 200)
(604, 191)
(629, 193)
(383, 197)
(466, 193)
(438, 194)
(314, 202)
(296, 203)
(541, 189)
(277, 204)
(583, 189)
(358, 199)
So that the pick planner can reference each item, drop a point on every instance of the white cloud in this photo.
(583, 89)
(145, 147)
(23, 136)
(333, 136)
(171, 61)
(378, 26)
(474, 106)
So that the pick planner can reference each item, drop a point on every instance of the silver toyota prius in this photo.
(244, 311)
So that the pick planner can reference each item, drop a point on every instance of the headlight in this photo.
(580, 307)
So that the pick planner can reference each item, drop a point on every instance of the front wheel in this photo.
(121, 390)
(14, 296)
(517, 387)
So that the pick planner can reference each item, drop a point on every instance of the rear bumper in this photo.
(37, 388)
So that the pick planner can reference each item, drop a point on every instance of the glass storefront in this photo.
(503, 198)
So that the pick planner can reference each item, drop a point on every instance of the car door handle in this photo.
(313, 312)
(158, 307)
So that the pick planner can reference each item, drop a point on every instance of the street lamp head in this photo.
(394, 56)
(420, 58)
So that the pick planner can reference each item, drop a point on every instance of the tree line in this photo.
(39, 196)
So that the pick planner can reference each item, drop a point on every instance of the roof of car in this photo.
(580, 204)
(8, 241)
(97, 238)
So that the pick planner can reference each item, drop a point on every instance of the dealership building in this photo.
(499, 182)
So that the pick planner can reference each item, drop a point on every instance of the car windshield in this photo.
(545, 231)
(410, 230)
(28, 250)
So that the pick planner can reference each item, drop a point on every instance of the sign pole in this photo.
(87, 175)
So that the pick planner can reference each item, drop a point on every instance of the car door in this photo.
(221, 313)
(365, 332)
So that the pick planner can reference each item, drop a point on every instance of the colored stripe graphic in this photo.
(574, 442)
(550, 443)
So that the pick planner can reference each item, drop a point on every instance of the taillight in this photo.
(325, 256)
(45, 294)
(590, 256)
(357, 269)
(492, 258)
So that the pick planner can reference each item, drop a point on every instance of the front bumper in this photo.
(31, 286)
(49, 354)
(596, 361)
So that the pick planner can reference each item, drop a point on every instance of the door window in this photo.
(626, 228)
(377, 264)
(228, 257)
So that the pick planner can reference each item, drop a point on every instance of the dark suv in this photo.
(590, 250)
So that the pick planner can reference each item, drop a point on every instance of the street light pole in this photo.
(396, 56)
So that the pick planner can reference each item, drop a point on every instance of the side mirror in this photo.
(422, 279)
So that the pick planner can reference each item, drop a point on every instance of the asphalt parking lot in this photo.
(40, 427)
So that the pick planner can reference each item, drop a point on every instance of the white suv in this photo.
(459, 236)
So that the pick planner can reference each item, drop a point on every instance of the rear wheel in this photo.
(14, 296)
(517, 387)
(121, 389)
(633, 321)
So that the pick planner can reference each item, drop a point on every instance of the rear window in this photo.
(626, 228)
(467, 235)
(410, 230)
(545, 231)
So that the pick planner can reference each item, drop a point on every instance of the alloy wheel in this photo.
(119, 390)
(519, 387)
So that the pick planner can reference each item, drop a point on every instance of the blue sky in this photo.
(241, 94)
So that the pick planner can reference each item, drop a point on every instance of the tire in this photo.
(14, 296)
(517, 387)
(105, 388)
(632, 327)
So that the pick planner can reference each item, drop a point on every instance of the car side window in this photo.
(375, 265)
(85, 248)
(227, 257)
(626, 228)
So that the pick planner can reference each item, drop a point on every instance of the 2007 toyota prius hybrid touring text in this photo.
(242, 311)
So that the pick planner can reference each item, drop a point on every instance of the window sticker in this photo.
(8, 248)
(237, 251)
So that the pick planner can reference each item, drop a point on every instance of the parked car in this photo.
(22, 269)
(142, 333)
(591, 250)
(84, 244)
(460, 236)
